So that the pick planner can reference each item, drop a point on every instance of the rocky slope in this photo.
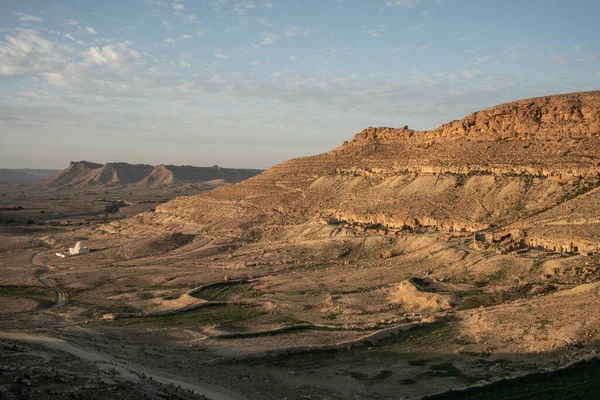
(492, 171)
(84, 174)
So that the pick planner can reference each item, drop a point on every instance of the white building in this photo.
(79, 248)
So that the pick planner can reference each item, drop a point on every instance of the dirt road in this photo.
(43, 271)
(139, 371)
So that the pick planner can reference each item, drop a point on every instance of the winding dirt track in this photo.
(41, 276)
(89, 355)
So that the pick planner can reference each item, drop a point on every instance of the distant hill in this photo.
(85, 174)
(26, 175)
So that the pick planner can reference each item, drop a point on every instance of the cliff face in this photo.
(566, 116)
(493, 169)
(555, 117)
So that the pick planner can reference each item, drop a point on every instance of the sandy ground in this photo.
(479, 315)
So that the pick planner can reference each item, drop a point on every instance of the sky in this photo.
(251, 83)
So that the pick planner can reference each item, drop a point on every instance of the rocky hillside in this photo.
(575, 115)
(85, 174)
(493, 171)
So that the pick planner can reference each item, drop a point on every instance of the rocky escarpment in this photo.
(84, 174)
(388, 180)
(575, 115)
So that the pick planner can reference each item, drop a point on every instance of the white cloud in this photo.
(26, 53)
(220, 55)
(254, 63)
(269, 38)
(111, 56)
(295, 30)
(183, 60)
(402, 3)
(230, 29)
(180, 38)
(56, 79)
(203, 32)
(242, 7)
(90, 30)
(70, 37)
(486, 58)
(190, 18)
(292, 58)
(178, 6)
(373, 31)
(558, 59)
(415, 27)
(590, 58)
(167, 25)
(28, 18)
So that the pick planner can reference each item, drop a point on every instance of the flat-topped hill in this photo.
(447, 179)
(85, 174)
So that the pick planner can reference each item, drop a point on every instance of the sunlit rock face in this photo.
(493, 170)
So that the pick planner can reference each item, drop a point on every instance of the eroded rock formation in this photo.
(575, 115)
(496, 169)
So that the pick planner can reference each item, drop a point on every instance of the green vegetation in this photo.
(382, 375)
(419, 283)
(361, 376)
(227, 291)
(286, 319)
(427, 338)
(42, 231)
(447, 370)
(418, 363)
(580, 381)
(29, 292)
(408, 382)
(190, 319)
(474, 299)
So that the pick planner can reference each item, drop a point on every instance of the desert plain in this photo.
(402, 264)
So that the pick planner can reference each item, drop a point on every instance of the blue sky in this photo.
(250, 83)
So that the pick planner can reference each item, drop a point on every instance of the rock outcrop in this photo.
(575, 115)
(494, 170)
(418, 295)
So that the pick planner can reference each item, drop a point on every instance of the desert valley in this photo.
(459, 262)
